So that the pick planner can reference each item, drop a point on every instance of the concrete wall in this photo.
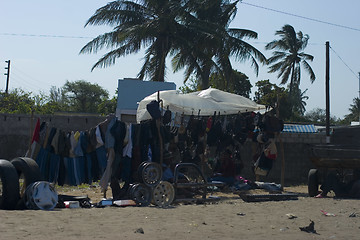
(16, 132)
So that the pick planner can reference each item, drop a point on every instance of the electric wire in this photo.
(299, 16)
(353, 72)
(28, 76)
(43, 35)
(22, 83)
(245, 3)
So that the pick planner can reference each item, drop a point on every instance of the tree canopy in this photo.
(78, 96)
(84, 96)
(288, 56)
(196, 34)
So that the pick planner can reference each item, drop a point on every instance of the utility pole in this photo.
(8, 76)
(359, 99)
(327, 89)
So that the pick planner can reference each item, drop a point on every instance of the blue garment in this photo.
(70, 173)
(54, 167)
(227, 180)
(109, 138)
(88, 169)
(79, 169)
(101, 157)
(168, 175)
(42, 161)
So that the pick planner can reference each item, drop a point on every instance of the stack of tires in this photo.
(16, 176)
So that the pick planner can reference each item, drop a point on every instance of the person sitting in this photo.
(226, 170)
(341, 189)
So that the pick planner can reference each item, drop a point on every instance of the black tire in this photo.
(313, 182)
(10, 195)
(29, 168)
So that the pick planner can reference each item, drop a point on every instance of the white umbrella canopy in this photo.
(206, 101)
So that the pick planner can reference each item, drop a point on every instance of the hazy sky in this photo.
(43, 38)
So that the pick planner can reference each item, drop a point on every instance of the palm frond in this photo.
(308, 68)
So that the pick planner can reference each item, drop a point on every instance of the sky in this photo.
(42, 39)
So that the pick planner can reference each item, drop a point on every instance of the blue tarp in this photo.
(294, 128)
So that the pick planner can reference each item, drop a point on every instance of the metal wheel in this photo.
(141, 194)
(151, 174)
(163, 194)
(140, 169)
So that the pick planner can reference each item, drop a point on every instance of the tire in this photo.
(10, 195)
(313, 182)
(29, 168)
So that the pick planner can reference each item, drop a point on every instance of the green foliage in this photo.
(215, 43)
(195, 34)
(291, 107)
(276, 97)
(288, 56)
(297, 102)
(189, 86)
(238, 83)
(318, 116)
(84, 96)
(78, 96)
(354, 114)
(107, 107)
(16, 101)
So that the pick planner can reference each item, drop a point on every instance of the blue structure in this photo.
(131, 91)
(296, 128)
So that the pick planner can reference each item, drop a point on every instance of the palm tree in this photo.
(215, 43)
(153, 24)
(289, 56)
(298, 100)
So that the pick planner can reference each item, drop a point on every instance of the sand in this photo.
(230, 218)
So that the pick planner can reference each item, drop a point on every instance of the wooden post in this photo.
(7, 77)
(158, 125)
(282, 177)
(327, 90)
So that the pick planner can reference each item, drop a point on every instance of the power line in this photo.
(30, 77)
(42, 35)
(299, 16)
(22, 83)
(344, 62)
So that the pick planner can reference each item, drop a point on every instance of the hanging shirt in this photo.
(128, 148)
(98, 137)
(109, 138)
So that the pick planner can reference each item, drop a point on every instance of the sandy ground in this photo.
(230, 218)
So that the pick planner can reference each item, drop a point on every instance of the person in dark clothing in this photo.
(226, 171)
(341, 189)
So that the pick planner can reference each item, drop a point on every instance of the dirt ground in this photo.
(229, 218)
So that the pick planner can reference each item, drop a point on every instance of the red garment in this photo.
(36, 134)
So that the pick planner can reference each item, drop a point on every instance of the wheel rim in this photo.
(151, 174)
(141, 194)
(163, 194)
(140, 169)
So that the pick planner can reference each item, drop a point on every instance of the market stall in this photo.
(202, 103)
